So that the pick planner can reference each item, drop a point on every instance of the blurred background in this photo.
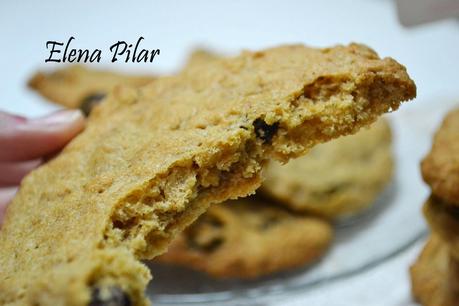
(429, 50)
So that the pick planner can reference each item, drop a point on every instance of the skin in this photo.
(25, 143)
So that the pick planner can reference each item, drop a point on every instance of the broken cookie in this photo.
(152, 159)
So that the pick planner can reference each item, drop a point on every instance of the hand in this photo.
(25, 142)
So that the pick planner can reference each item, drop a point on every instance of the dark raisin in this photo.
(452, 210)
(208, 247)
(88, 103)
(265, 131)
(213, 245)
(269, 222)
(440, 206)
(334, 189)
(109, 296)
(212, 220)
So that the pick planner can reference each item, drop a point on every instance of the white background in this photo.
(430, 53)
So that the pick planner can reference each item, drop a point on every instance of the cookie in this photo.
(443, 219)
(435, 275)
(352, 178)
(338, 178)
(152, 159)
(239, 225)
(440, 168)
(248, 238)
(77, 86)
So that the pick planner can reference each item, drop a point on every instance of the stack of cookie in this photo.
(435, 274)
(300, 201)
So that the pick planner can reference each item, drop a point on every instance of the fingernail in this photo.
(59, 118)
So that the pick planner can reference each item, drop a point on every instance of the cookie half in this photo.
(336, 179)
(239, 228)
(152, 159)
(249, 238)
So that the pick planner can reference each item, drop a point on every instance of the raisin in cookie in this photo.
(440, 168)
(248, 238)
(435, 275)
(335, 179)
(152, 159)
(79, 87)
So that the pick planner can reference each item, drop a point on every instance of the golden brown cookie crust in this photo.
(338, 178)
(74, 84)
(151, 160)
(440, 168)
(249, 238)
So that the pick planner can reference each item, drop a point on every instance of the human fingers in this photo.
(24, 139)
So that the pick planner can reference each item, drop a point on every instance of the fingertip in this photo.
(76, 121)
(73, 119)
(60, 118)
